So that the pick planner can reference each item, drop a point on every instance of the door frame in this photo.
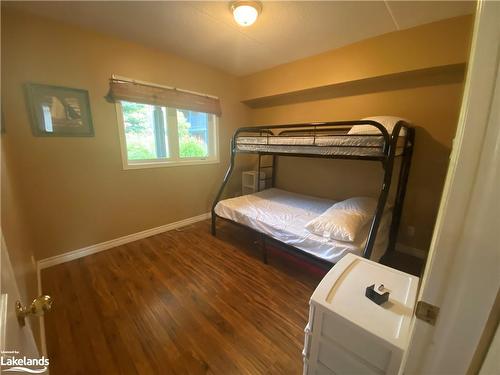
(462, 275)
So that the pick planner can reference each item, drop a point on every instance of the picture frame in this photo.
(58, 111)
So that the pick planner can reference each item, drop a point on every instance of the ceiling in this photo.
(204, 31)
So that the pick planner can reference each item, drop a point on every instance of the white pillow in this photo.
(344, 220)
(387, 122)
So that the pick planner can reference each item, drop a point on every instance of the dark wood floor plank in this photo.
(214, 327)
(94, 321)
(238, 289)
(181, 302)
(162, 317)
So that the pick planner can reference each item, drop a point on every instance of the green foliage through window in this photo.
(135, 116)
(137, 151)
(189, 146)
(146, 135)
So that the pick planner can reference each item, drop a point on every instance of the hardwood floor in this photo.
(404, 262)
(180, 302)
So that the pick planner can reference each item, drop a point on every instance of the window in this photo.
(154, 135)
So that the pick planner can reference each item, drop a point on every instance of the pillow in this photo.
(344, 220)
(387, 122)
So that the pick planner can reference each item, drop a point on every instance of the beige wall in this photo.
(438, 43)
(73, 190)
(432, 108)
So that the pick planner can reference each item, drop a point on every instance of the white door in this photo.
(16, 341)
(462, 275)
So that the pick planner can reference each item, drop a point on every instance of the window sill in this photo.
(164, 164)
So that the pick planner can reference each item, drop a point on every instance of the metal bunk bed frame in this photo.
(387, 159)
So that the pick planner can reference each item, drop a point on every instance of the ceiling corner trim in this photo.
(388, 7)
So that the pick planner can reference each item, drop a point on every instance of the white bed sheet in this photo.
(283, 215)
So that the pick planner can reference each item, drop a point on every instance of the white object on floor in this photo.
(283, 215)
(347, 333)
(250, 181)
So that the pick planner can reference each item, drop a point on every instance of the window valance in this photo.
(141, 92)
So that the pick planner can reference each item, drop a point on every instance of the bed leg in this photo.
(263, 249)
(213, 227)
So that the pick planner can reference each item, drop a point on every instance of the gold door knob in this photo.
(38, 307)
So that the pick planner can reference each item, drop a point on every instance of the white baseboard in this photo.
(92, 249)
(405, 249)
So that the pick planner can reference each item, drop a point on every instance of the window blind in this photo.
(138, 92)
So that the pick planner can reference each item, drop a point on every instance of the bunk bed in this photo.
(280, 216)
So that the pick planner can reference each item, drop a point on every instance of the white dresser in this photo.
(348, 333)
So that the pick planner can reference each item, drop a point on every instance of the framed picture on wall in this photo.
(59, 111)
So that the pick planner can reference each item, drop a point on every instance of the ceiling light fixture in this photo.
(245, 12)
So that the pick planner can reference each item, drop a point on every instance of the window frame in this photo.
(174, 160)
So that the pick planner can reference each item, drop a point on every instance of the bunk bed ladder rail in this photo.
(224, 183)
(388, 165)
(271, 167)
(404, 172)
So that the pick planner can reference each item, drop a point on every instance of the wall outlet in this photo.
(410, 231)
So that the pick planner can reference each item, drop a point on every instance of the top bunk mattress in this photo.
(328, 145)
(283, 215)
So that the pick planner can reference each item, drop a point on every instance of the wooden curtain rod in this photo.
(126, 79)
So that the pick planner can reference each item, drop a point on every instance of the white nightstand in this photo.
(348, 333)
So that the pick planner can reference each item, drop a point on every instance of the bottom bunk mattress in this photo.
(283, 215)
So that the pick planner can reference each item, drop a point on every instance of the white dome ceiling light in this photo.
(245, 13)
